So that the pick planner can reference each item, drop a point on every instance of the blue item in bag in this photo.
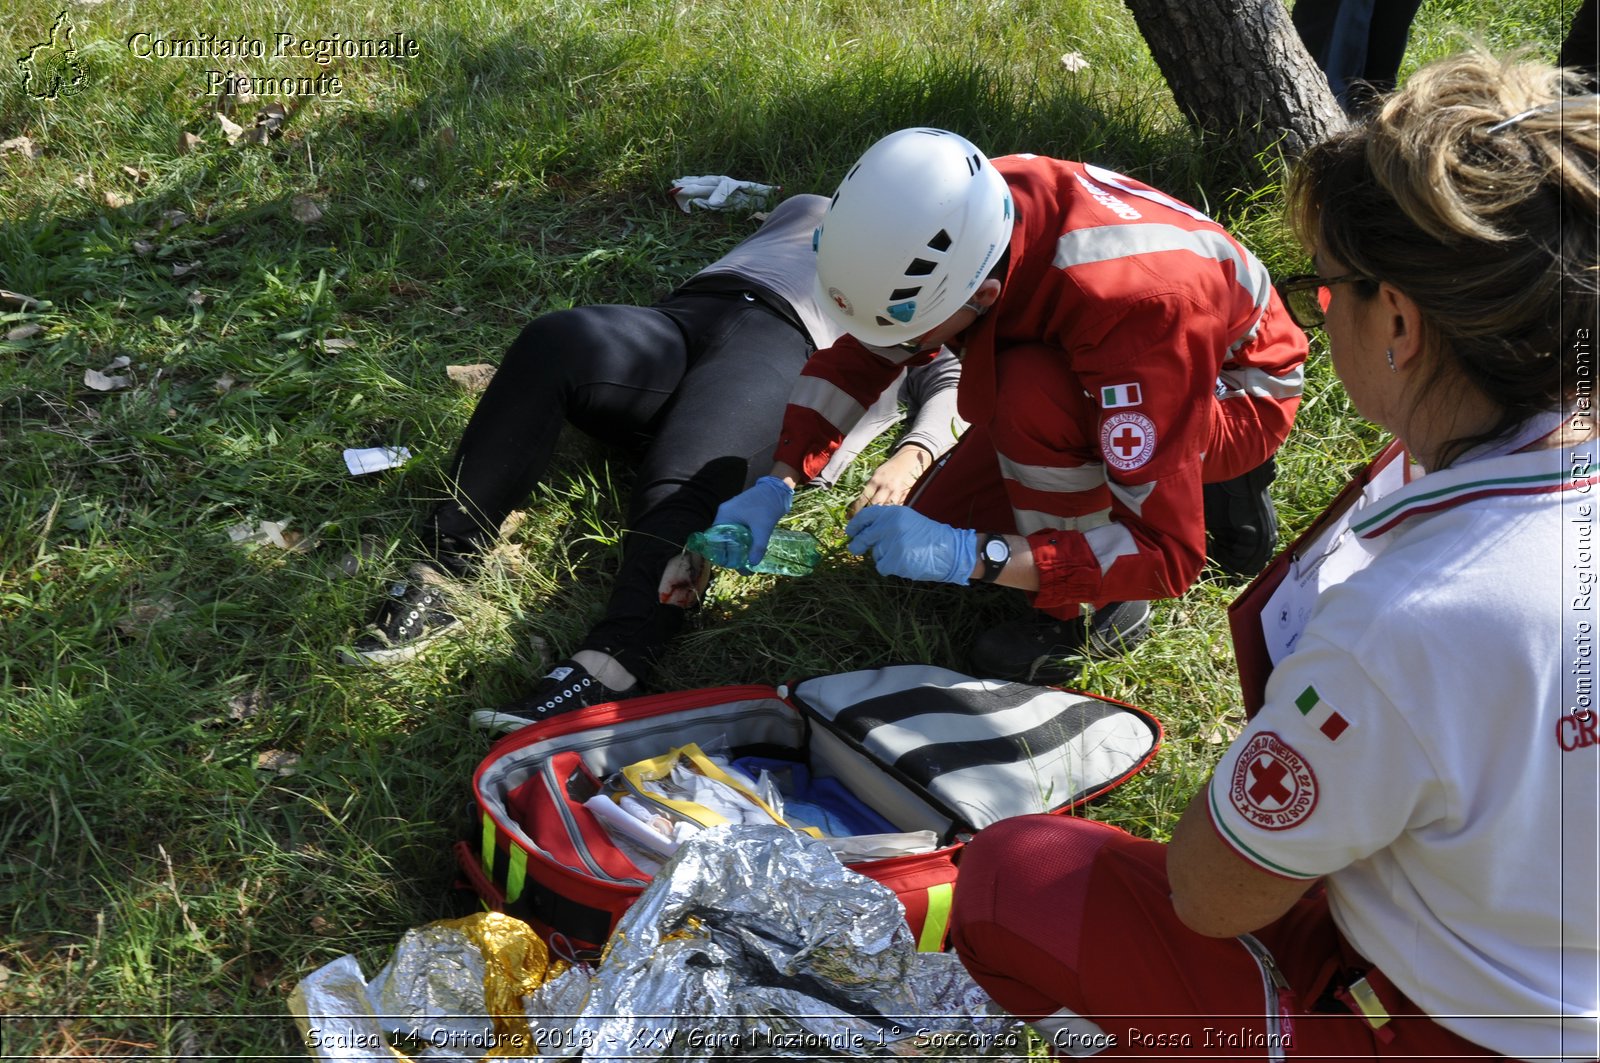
(821, 803)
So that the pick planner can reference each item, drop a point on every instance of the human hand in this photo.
(758, 508)
(905, 543)
(892, 481)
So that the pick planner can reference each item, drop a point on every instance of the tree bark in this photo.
(1238, 70)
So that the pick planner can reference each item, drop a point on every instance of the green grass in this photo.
(159, 893)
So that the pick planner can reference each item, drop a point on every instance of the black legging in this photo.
(702, 376)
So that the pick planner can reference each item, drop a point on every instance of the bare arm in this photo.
(1215, 891)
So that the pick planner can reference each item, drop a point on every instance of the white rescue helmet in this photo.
(915, 227)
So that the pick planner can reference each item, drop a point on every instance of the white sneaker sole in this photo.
(495, 722)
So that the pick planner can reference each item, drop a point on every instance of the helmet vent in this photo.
(853, 171)
(903, 293)
(974, 164)
(940, 241)
(920, 267)
(883, 321)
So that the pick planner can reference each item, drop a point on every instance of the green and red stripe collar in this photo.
(1532, 472)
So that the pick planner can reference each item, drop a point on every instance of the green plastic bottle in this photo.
(789, 553)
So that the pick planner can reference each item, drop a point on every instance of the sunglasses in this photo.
(1306, 295)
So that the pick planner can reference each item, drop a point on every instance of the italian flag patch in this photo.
(1119, 395)
(1320, 714)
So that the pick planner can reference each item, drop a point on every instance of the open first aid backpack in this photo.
(926, 749)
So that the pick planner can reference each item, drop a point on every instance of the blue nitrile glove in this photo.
(758, 508)
(905, 543)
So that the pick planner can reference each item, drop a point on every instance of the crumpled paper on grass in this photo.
(718, 192)
(363, 460)
(754, 941)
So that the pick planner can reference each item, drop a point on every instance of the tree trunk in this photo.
(1238, 70)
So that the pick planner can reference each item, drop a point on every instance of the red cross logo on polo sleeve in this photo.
(1273, 786)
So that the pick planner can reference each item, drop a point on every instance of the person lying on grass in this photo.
(695, 384)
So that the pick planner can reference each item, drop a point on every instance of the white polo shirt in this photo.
(1420, 749)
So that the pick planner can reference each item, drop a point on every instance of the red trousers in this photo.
(1059, 918)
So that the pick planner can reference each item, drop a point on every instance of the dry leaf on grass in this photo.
(419, 183)
(269, 122)
(305, 210)
(143, 615)
(338, 344)
(243, 706)
(470, 378)
(140, 176)
(171, 219)
(224, 383)
(279, 760)
(106, 381)
(144, 248)
(21, 146)
(21, 300)
(230, 129)
(1072, 62)
(23, 332)
(196, 297)
(184, 269)
(188, 142)
(115, 200)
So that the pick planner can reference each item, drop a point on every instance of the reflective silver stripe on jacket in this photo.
(1120, 183)
(1055, 478)
(1110, 542)
(1104, 243)
(1033, 520)
(832, 402)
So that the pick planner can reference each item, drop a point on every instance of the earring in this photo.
(1389, 353)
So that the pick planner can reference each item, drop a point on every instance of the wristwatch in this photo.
(994, 553)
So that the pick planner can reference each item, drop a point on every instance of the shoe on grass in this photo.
(412, 617)
(567, 688)
(1241, 521)
(1042, 649)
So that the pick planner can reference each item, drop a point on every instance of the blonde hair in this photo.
(1475, 189)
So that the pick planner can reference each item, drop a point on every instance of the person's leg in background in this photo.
(1387, 35)
(1581, 48)
(1335, 33)
(608, 369)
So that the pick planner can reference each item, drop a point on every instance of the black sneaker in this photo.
(567, 687)
(1241, 521)
(1042, 649)
(410, 619)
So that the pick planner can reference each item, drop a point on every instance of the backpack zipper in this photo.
(557, 793)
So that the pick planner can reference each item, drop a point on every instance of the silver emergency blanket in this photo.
(754, 941)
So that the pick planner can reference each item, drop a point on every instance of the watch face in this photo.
(997, 551)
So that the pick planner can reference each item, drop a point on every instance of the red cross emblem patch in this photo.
(1127, 439)
(1273, 787)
